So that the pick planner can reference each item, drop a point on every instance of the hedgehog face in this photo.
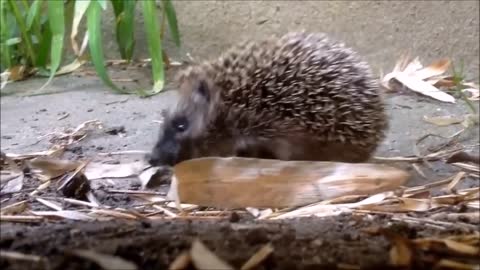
(185, 123)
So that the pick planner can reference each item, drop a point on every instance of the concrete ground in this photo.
(24, 119)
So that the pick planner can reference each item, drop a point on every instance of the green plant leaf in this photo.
(152, 29)
(33, 13)
(56, 19)
(172, 21)
(27, 41)
(5, 54)
(44, 48)
(94, 20)
(124, 12)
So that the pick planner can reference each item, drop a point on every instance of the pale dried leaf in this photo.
(54, 206)
(93, 200)
(184, 206)
(258, 257)
(403, 205)
(106, 261)
(113, 213)
(20, 256)
(11, 183)
(154, 177)
(423, 88)
(413, 66)
(95, 170)
(70, 67)
(20, 218)
(445, 120)
(320, 209)
(474, 93)
(470, 120)
(204, 259)
(67, 214)
(263, 183)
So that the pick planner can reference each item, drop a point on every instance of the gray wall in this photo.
(380, 30)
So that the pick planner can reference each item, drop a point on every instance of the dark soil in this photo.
(306, 243)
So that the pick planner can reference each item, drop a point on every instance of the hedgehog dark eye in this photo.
(180, 124)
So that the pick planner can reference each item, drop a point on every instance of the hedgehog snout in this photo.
(164, 153)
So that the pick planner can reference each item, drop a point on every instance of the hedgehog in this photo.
(301, 96)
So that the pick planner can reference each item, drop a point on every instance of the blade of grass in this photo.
(124, 12)
(5, 55)
(33, 23)
(152, 29)
(94, 20)
(56, 18)
(80, 9)
(23, 30)
(33, 13)
(103, 4)
(172, 21)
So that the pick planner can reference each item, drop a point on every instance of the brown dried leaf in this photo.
(54, 152)
(46, 168)
(463, 157)
(204, 259)
(258, 257)
(101, 170)
(436, 68)
(181, 262)
(450, 264)
(14, 208)
(400, 253)
(106, 261)
(442, 121)
(263, 183)
(77, 134)
(452, 245)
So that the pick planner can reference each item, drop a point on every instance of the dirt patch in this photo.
(306, 243)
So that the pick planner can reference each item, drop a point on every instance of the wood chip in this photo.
(263, 183)
(204, 259)
(258, 257)
(107, 262)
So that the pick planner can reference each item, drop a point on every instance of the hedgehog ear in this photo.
(202, 90)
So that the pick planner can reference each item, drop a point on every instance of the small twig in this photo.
(128, 152)
(128, 191)
(13, 255)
